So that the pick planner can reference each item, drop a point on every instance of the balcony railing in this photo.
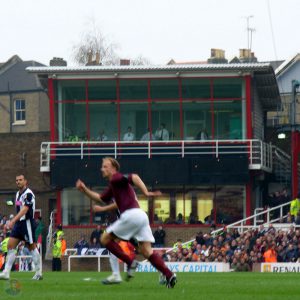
(258, 152)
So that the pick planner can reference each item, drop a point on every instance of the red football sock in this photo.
(115, 249)
(160, 265)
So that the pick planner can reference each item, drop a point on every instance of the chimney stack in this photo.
(217, 56)
(247, 56)
(97, 58)
(58, 62)
(90, 57)
(124, 62)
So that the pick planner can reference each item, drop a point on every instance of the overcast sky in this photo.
(159, 30)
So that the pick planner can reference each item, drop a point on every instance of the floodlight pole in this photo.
(294, 141)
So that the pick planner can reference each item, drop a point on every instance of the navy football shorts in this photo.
(25, 231)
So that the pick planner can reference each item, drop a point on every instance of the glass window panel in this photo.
(183, 207)
(103, 119)
(164, 89)
(229, 203)
(133, 89)
(23, 115)
(168, 114)
(18, 104)
(228, 120)
(73, 121)
(134, 115)
(102, 89)
(196, 119)
(18, 116)
(204, 208)
(75, 208)
(22, 104)
(71, 90)
(162, 208)
(227, 88)
(144, 205)
(195, 88)
(203, 198)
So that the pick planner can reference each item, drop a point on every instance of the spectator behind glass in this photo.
(162, 134)
(148, 136)
(102, 136)
(202, 135)
(128, 136)
(82, 245)
(179, 219)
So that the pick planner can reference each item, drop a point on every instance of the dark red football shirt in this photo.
(120, 188)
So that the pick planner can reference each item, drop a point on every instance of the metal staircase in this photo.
(281, 165)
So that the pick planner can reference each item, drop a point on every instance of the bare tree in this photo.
(93, 42)
(140, 60)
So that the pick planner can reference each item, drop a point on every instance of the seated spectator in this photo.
(129, 135)
(291, 253)
(94, 244)
(148, 136)
(179, 219)
(202, 135)
(82, 245)
(156, 219)
(192, 219)
(199, 238)
(243, 266)
(102, 136)
(162, 133)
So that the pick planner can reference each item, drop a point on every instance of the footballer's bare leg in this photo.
(156, 261)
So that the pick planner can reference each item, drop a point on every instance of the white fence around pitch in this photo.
(26, 263)
(98, 256)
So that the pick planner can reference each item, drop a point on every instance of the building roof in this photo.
(287, 64)
(15, 78)
(263, 73)
(245, 67)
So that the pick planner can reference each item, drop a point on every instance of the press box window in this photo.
(20, 112)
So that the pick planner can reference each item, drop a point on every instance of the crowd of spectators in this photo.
(243, 250)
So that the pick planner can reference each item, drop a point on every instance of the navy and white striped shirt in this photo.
(25, 198)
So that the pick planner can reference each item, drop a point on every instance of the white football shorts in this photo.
(132, 223)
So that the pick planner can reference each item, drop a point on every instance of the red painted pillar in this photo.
(295, 151)
(51, 109)
(249, 135)
(58, 208)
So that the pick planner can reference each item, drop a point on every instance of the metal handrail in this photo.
(243, 226)
(243, 222)
(258, 152)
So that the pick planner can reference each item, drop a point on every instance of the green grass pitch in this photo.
(190, 286)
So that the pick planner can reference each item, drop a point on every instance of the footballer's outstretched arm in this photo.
(138, 182)
(80, 185)
(98, 208)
